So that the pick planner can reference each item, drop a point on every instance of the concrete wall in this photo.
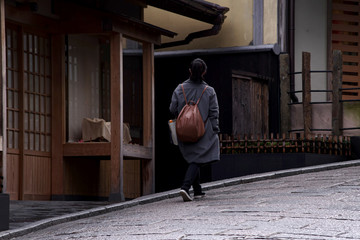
(322, 118)
(311, 36)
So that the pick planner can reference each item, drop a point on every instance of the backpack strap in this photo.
(184, 93)
(201, 95)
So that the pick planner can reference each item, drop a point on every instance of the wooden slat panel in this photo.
(12, 174)
(350, 97)
(347, 68)
(354, 1)
(132, 183)
(345, 28)
(248, 92)
(350, 78)
(349, 58)
(346, 7)
(345, 38)
(345, 47)
(37, 172)
(346, 18)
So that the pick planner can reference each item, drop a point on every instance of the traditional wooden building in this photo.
(78, 96)
(244, 68)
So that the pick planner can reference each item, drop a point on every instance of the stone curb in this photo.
(170, 194)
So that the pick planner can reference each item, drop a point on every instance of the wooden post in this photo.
(117, 155)
(58, 119)
(3, 93)
(148, 166)
(306, 85)
(337, 111)
(284, 96)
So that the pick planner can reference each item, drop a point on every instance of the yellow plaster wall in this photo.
(236, 30)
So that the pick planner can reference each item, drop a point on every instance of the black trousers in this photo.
(192, 178)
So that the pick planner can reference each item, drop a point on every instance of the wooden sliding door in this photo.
(29, 114)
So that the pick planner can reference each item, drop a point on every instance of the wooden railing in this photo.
(295, 143)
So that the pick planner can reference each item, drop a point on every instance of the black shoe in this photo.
(185, 195)
(199, 195)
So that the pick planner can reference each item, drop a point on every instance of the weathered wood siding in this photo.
(250, 106)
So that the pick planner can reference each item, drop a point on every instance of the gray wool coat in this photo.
(206, 150)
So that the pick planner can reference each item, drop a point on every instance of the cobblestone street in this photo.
(315, 205)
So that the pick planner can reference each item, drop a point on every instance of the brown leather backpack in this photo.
(189, 124)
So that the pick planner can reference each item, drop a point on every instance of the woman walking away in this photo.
(206, 149)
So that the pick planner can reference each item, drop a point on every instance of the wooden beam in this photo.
(87, 149)
(78, 19)
(284, 96)
(306, 85)
(31, 20)
(3, 91)
(58, 116)
(337, 112)
(134, 33)
(148, 167)
(21, 117)
(137, 152)
(75, 19)
(103, 149)
(116, 66)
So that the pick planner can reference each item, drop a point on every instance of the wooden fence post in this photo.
(284, 96)
(337, 111)
(306, 86)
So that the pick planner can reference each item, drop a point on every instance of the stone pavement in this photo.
(319, 202)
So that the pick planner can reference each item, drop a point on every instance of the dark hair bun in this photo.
(198, 67)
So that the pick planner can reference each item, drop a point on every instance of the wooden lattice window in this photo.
(28, 82)
(37, 93)
(345, 37)
(12, 84)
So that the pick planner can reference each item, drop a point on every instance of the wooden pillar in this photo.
(117, 156)
(3, 92)
(148, 166)
(337, 111)
(58, 119)
(306, 85)
(285, 117)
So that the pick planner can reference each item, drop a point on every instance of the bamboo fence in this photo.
(295, 143)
